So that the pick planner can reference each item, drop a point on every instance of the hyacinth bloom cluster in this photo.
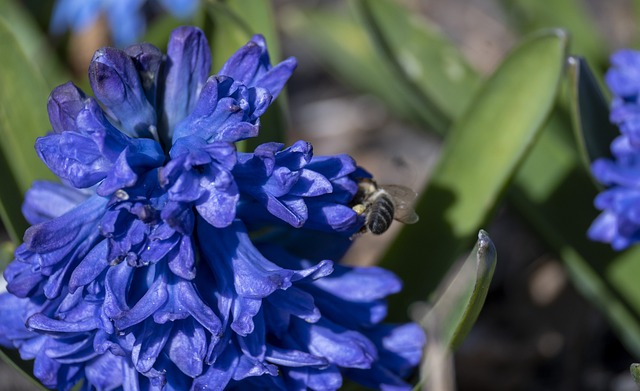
(619, 222)
(167, 259)
(126, 18)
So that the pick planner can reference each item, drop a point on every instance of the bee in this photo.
(381, 204)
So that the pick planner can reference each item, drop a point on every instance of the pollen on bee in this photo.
(359, 209)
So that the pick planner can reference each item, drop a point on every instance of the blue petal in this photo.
(380, 378)
(64, 105)
(116, 84)
(293, 358)
(47, 200)
(73, 157)
(41, 323)
(218, 375)
(624, 77)
(296, 302)
(149, 344)
(116, 307)
(69, 233)
(186, 70)
(400, 346)
(13, 312)
(21, 277)
(360, 284)
(340, 346)
(91, 266)
(324, 379)
(147, 60)
(187, 347)
(251, 66)
(218, 114)
(105, 372)
(250, 367)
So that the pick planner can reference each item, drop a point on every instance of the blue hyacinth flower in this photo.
(619, 222)
(168, 260)
(126, 18)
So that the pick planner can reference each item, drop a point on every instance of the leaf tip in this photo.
(635, 372)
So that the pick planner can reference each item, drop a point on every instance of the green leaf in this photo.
(233, 23)
(336, 41)
(431, 68)
(460, 296)
(481, 155)
(635, 372)
(589, 113)
(449, 318)
(23, 117)
(572, 15)
(33, 43)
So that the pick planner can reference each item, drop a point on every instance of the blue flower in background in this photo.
(619, 222)
(623, 79)
(166, 259)
(126, 18)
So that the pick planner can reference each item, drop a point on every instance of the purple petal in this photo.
(47, 200)
(105, 372)
(186, 70)
(116, 84)
(187, 347)
(360, 284)
(343, 347)
(328, 378)
(64, 105)
(147, 60)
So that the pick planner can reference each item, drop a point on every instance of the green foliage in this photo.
(23, 117)
(336, 40)
(453, 311)
(461, 294)
(434, 74)
(635, 372)
(589, 112)
(481, 155)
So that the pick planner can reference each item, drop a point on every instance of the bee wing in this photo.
(405, 214)
(403, 197)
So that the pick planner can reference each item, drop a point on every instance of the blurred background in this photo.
(536, 330)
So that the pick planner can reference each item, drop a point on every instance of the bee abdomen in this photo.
(380, 215)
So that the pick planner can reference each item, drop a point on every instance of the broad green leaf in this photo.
(336, 41)
(589, 113)
(480, 156)
(572, 15)
(422, 58)
(454, 310)
(233, 23)
(460, 296)
(23, 117)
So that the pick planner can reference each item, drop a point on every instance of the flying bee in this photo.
(381, 204)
